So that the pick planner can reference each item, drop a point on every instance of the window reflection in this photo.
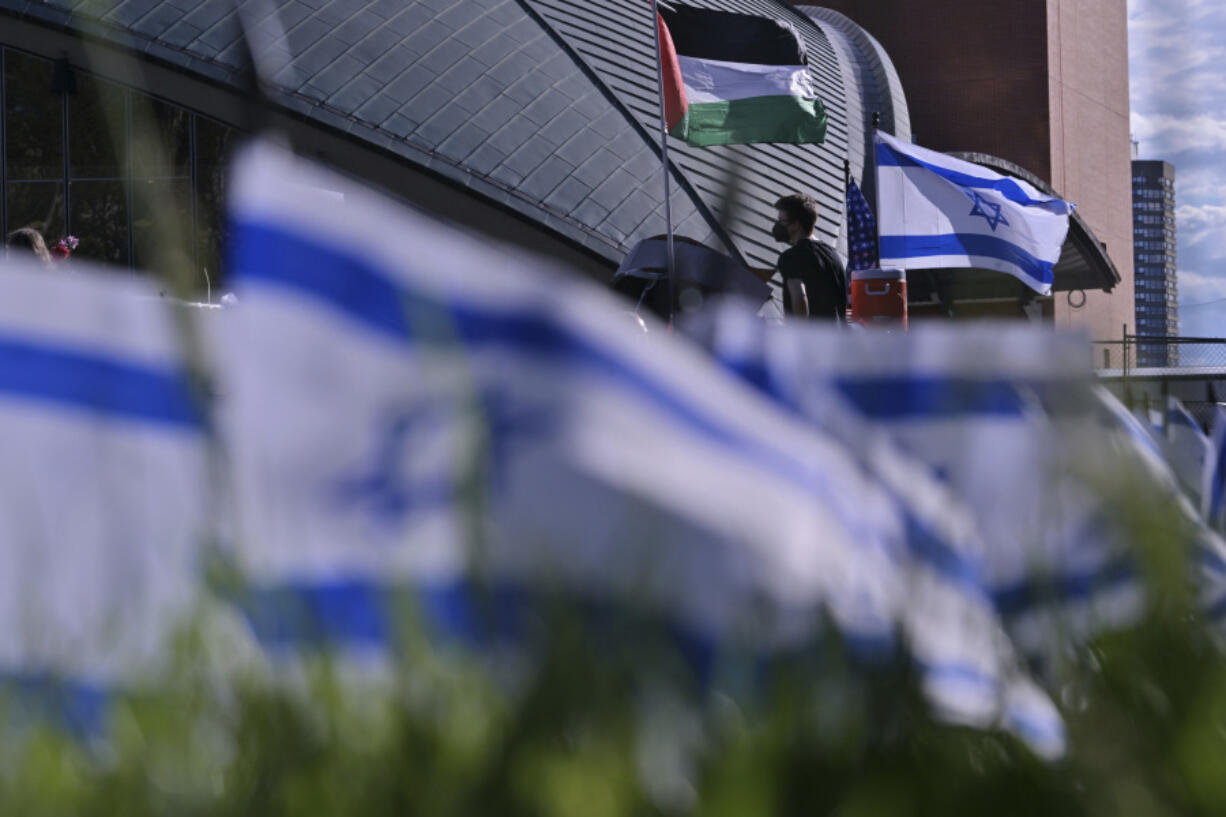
(33, 120)
(98, 213)
(97, 129)
(161, 222)
(36, 204)
(140, 181)
(214, 142)
(165, 128)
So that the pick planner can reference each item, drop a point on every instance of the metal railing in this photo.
(1144, 369)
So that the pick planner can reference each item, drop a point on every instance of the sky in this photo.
(1177, 73)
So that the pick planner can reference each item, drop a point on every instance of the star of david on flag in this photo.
(924, 221)
(991, 212)
(861, 231)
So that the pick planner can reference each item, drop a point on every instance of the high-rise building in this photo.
(1153, 252)
(1042, 84)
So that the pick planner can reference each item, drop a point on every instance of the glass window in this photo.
(33, 119)
(97, 129)
(39, 205)
(161, 137)
(214, 142)
(98, 215)
(161, 223)
(115, 168)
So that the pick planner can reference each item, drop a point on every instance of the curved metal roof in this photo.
(868, 69)
(545, 107)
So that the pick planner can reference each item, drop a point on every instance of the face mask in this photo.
(779, 231)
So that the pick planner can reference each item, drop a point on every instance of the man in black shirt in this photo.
(813, 282)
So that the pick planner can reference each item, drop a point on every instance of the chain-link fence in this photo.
(1144, 370)
(1157, 353)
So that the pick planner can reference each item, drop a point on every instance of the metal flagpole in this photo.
(876, 190)
(668, 205)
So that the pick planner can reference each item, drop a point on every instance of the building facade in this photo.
(1153, 249)
(112, 165)
(533, 122)
(1042, 84)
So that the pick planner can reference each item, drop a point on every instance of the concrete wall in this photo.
(1090, 150)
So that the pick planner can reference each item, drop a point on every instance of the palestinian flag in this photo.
(735, 79)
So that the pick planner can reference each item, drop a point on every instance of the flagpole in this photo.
(668, 205)
(876, 192)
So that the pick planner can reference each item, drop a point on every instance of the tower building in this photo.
(1153, 252)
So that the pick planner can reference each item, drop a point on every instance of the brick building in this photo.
(1042, 84)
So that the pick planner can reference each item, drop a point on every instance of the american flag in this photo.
(861, 231)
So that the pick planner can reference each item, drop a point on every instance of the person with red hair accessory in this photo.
(64, 247)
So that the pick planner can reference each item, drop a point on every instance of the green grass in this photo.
(609, 720)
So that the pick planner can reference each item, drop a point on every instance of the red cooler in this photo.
(879, 297)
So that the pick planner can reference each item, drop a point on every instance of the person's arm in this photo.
(800, 300)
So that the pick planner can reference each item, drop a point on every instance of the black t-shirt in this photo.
(817, 267)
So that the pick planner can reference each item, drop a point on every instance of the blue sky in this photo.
(1177, 68)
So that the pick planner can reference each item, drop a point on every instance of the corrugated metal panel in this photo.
(475, 90)
(546, 106)
(879, 89)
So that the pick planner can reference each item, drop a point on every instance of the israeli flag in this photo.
(411, 408)
(1213, 493)
(103, 490)
(1143, 452)
(971, 669)
(1004, 418)
(1021, 456)
(935, 211)
(415, 411)
(1188, 449)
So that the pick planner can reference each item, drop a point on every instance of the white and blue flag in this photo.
(935, 211)
(971, 670)
(1213, 496)
(1003, 416)
(103, 495)
(410, 407)
(1187, 448)
(1142, 449)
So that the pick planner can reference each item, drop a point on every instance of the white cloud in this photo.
(1202, 304)
(1201, 237)
(1175, 54)
(1173, 13)
(1180, 90)
(1178, 53)
(1167, 135)
(1199, 288)
(1177, 79)
(1199, 184)
(1195, 223)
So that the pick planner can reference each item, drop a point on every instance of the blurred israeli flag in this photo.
(1188, 449)
(1143, 451)
(103, 500)
(1007, 419)
(1002, 416)
(410, 406)
(935, 211)
(1213, 495)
